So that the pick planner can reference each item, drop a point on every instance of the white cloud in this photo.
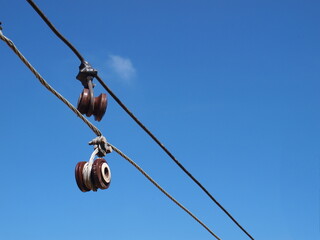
(123, 67)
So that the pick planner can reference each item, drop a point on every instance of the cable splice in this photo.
(122, 105)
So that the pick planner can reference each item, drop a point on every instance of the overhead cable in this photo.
(123, 106)
(96, 130)
(47, 85)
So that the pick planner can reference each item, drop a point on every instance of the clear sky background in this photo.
(231, 87)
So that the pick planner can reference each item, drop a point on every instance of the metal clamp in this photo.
(86, 73)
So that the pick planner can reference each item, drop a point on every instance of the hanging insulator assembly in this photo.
(87, 103)
(94, 174)
(97, 176)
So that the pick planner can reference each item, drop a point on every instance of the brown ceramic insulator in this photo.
(94, 176)
(98, 175)
(94, 185)
(100, 106)
(84, 103)
(79, 177)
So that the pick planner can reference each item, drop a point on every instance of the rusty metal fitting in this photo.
(86, 73)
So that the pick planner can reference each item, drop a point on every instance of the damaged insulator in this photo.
(97, 108)
(87, 103)
(99, 176)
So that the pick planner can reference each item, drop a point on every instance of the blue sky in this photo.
(231, 87)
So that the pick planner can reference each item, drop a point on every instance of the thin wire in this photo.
(161, 189)
(123, 106)
(95, 129)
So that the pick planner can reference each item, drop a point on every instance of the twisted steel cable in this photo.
(162, 190)
(47, 85)
(125, 108)
(96, 130)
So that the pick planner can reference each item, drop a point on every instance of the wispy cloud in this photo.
(122, 66)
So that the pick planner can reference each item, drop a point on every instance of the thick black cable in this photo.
(171, 155)
(122, 105)
(50, 25)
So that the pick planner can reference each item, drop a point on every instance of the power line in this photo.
(123, 106)
(75, 51)
(162, 190)
(47, 85)
(96, 130)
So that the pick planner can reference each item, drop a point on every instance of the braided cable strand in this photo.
(96, 130)
(162, 190)
(46, 85)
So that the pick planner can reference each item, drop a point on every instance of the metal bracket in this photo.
(86, 73)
